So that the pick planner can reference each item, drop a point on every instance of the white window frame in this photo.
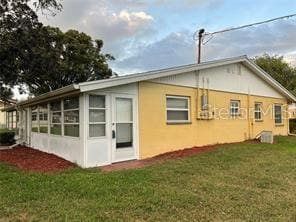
(234, 107)
(43, 114)
(282, 122)
(258, 111)
(50, 118)
(97, 123)
(37, 119)
(63, 116)
(178, 109)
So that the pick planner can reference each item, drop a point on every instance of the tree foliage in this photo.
(44, 58)
(280, 70)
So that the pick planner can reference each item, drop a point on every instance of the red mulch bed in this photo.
(150, 161)
(34, 160)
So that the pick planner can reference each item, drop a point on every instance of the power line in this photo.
(200, 34)
(195, 36)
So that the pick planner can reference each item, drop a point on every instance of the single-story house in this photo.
(143, 115)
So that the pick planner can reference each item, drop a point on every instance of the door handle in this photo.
(113, 134)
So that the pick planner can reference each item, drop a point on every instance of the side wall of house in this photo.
(157, 136)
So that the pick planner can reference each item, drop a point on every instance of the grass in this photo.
(238, 182)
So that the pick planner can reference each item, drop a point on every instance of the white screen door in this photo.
(123, 128)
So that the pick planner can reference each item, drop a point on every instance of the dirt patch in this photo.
(162, 157)
(34, 160)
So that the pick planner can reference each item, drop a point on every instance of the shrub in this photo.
(7, 137)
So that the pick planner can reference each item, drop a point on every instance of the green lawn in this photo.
(239, 182)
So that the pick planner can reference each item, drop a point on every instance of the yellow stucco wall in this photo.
(156, 136)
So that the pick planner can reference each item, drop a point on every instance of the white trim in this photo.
(231, 107)
(122, 80)
(96, 123)
(135, 144)
(282, 121)
(179, 109)
(258, 111)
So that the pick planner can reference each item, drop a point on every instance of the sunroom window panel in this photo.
(56, 117)
(71, 130)
(34, 119)
(97, 116)
(97, 130)
(55, 106)
(43, 120)
(71, 116)
(71, 103)
(56, 129)
(96, 101)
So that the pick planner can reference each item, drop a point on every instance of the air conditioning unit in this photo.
(266, 137)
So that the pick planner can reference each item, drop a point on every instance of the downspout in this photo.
(197, 93)
(248, 115)
(208, 97)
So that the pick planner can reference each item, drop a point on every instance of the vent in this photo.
(266, 137)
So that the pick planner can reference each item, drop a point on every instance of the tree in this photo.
(17, 21)
(41, 57)
(279, 70)
(58, 59)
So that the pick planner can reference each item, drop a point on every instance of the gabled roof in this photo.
(132, 78)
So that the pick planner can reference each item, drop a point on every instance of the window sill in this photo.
(178, 123)
(259, 121)
(279, 124)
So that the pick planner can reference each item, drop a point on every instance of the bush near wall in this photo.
(7, 137)
(292, 125)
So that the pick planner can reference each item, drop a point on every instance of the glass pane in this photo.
(35, 127)
(71, 103)
(71, 116)
(176, 103)
(177, 115)
(257, 107)
(278, 114)
(71, 130)
(55, 106)
(56, 129)
(278, 109)
(97, 101)
(258, 115)
(34, 116)
(43, 128)
(124, 135)
(56, 117)
(97, 130)
(124, 110)
(97, 115)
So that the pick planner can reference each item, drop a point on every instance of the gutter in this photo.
(71, 89)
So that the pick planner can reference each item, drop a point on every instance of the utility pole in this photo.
(200, 35)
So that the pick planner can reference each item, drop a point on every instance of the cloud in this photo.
(178, 48)
(117, 23)
(175, 49)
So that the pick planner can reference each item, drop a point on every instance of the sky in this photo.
(147, 35)
(151, 34)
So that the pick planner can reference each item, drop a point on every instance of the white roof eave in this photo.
(122, 80)
(101, 84)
